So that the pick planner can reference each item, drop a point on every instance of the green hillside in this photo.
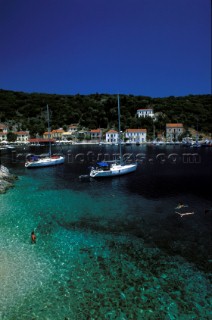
(27, 111)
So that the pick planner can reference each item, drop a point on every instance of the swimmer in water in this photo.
(33, 237)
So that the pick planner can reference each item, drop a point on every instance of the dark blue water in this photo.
(112, 248)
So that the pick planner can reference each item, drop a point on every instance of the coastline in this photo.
(6, 179)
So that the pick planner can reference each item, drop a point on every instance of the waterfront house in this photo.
(173, 131)
(145, 113)
(72, 133)
(47, 135)
(57, 134)
(96, 134)
(83, 135)
(67, 136)
(73, 128)
(22, 136)
(112, 136)
(136, 135)
(3, 132)
(3, 137)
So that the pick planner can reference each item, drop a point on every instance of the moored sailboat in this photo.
(120, 167)
(35, 161)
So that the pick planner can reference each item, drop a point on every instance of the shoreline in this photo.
(6, 179)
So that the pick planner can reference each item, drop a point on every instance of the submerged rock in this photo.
(6, 179)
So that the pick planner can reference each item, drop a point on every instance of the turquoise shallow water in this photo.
(111, 249)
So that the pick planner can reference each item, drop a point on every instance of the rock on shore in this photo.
(6, 179)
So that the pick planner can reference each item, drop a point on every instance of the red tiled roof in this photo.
(58, 130)
(95, 131)
(174, 125)
(135, 130)
(22, 132)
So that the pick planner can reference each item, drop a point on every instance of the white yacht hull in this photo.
(45, 162)
(115, 170)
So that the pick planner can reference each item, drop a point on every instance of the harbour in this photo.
(107, 249)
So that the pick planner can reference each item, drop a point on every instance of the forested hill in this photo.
(92, 111)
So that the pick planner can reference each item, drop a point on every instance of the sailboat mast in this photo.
(197, 135)
(48, 120)
(119, 130)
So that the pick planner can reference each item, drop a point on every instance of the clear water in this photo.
(108, 249)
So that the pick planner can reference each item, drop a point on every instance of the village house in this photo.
(3, 132)
(54, 134)
(3, 137)
(136, 135)
(112, 136)
(22, 136)
(47, 135)
(82, 134)
(57, 134)
(96, 134)
(72, 132)
(73, 128)
(173, 131)
(67, 136)
(145, 113)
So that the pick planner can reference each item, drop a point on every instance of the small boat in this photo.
(35, 161)
(117, 168)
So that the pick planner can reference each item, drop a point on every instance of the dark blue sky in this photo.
(142, 47)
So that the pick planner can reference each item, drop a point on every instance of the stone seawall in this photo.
(6, 179)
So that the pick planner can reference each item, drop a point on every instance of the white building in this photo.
(145, 113)
(112, 136)
(73, 128)
(136, 135)
(3, 136)
(22, 136)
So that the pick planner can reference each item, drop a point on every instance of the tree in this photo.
(11, 137)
